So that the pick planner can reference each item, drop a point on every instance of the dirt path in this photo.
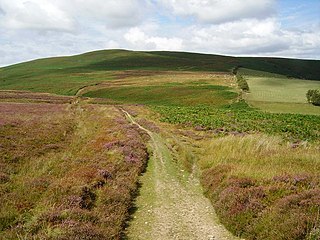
(171, 204)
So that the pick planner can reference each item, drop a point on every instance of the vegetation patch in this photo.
(173, 95)
(67, 171)
(262, 189)
(242, 82)
(278, 93)
(242, 119)
(313, 96)
(66, 75)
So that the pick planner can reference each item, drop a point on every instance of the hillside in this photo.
(159, 145)
(66, 75)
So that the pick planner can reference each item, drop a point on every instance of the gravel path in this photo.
(171, 204)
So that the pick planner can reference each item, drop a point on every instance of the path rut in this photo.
(171, 204)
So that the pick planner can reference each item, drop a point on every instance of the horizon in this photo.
(130, 50)
(268, 28)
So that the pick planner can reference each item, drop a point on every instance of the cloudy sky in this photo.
(32, 29)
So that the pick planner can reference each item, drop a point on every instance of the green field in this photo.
(179, 95)
(276, 93)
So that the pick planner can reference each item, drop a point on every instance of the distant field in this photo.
(174, 89)
(276, 93)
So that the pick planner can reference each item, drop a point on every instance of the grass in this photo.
(68, 171)
(261, 157)
(66, 75)
(275, 93)
(178, 95)
(263, 188)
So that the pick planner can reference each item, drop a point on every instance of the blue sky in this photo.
(31, 29)
(299, 14)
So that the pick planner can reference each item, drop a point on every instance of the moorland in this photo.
(121, 144)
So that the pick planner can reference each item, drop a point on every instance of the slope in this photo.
(66, 75)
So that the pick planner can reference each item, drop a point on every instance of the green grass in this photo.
(276, 93)
(259, 156)
(174, 95)
(255, 165)
(65, 75)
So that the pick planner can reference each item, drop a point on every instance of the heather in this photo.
(70, 165)
(68, 171)
(262, 187)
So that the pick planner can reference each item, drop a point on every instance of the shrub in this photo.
(313, 96)
(242, 83)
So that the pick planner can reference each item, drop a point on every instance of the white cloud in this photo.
(139, 39)
(35, 14)
(61, 15)
(220, 11)
(252, 37)
(40, 28)
(114, 14)
(1, 11)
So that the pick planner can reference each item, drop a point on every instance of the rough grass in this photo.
(262, 188)
(29, 97)
(67, 171)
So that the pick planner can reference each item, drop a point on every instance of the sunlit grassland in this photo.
(276, 93)
(58, 83)
(260, 156)
(175, 89)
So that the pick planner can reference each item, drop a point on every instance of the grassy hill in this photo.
(70, 169)
(66, 75)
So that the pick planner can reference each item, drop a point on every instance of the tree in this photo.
(313, 97)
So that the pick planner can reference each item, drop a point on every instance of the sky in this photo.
(31, 29)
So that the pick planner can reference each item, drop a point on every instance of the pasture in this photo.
(279, 94)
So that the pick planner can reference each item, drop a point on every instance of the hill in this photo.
(71, 165)
(66, 75)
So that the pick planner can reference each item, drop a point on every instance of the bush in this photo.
(313, 96)
(242, 83)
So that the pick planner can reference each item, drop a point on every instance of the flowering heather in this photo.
(265, 209)
(67, 172)
(24, 96)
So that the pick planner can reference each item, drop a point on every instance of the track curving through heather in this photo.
(171, 204)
